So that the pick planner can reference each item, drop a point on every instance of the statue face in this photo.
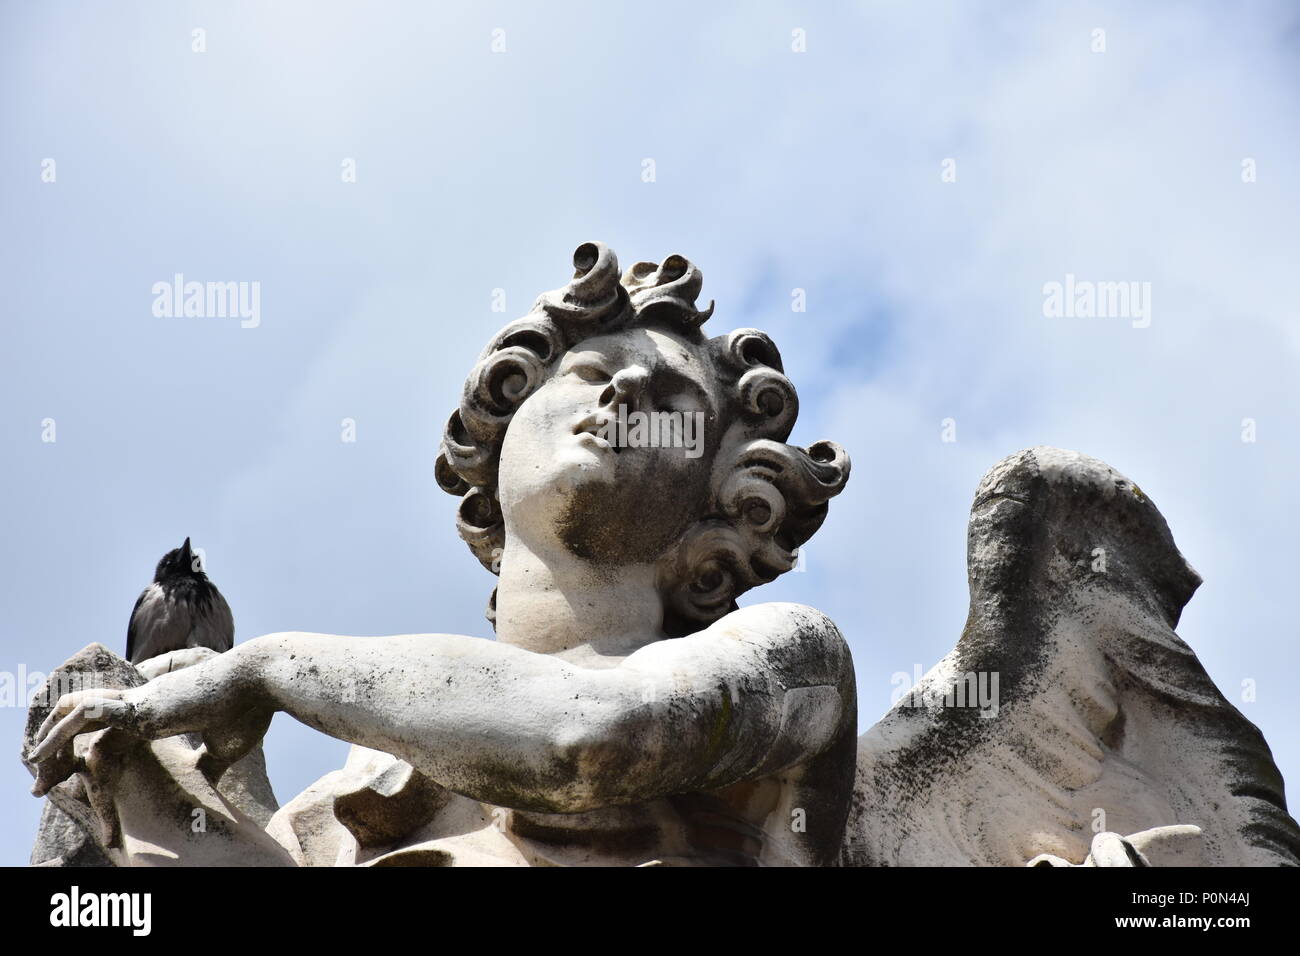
(611, 457)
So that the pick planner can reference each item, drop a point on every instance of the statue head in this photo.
(605, 422)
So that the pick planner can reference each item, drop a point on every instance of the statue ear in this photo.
(699, 582)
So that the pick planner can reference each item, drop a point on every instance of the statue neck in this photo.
(564, 603)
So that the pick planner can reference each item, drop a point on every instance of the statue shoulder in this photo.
(779, 616)
(796, 632)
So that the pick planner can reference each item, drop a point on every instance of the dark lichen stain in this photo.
(718, 733)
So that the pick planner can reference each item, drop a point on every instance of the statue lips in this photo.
(588, 430)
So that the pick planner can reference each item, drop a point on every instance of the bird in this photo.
(180, 609)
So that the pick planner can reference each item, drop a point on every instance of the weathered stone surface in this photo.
(69, 828)
(81, 823)
(1105, 718)
(358, 812)
(61, 841)
(388, 803)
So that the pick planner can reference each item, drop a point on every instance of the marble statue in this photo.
(627, 478)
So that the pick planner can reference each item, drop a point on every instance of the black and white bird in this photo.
(181, 608)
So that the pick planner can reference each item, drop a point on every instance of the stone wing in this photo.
(1078, 708)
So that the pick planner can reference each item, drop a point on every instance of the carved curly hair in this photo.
(766, 497)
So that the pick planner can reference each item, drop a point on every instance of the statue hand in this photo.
(230, 723)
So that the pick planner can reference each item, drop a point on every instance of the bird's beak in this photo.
(186, 555)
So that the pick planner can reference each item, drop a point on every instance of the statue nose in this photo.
(625, 387)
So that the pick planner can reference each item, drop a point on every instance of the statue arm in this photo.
(763, 689)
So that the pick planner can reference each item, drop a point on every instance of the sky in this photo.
(387, 172)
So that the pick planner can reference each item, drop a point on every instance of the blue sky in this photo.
(479, 170)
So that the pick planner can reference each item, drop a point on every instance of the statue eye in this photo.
(678, 402)
(591, 373)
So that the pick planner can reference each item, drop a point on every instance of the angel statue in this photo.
(627, 478)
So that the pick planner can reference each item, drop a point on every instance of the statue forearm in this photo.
(480, 718)
(532, 731)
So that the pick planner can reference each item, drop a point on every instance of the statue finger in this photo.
(78, 721)
(68, 703)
